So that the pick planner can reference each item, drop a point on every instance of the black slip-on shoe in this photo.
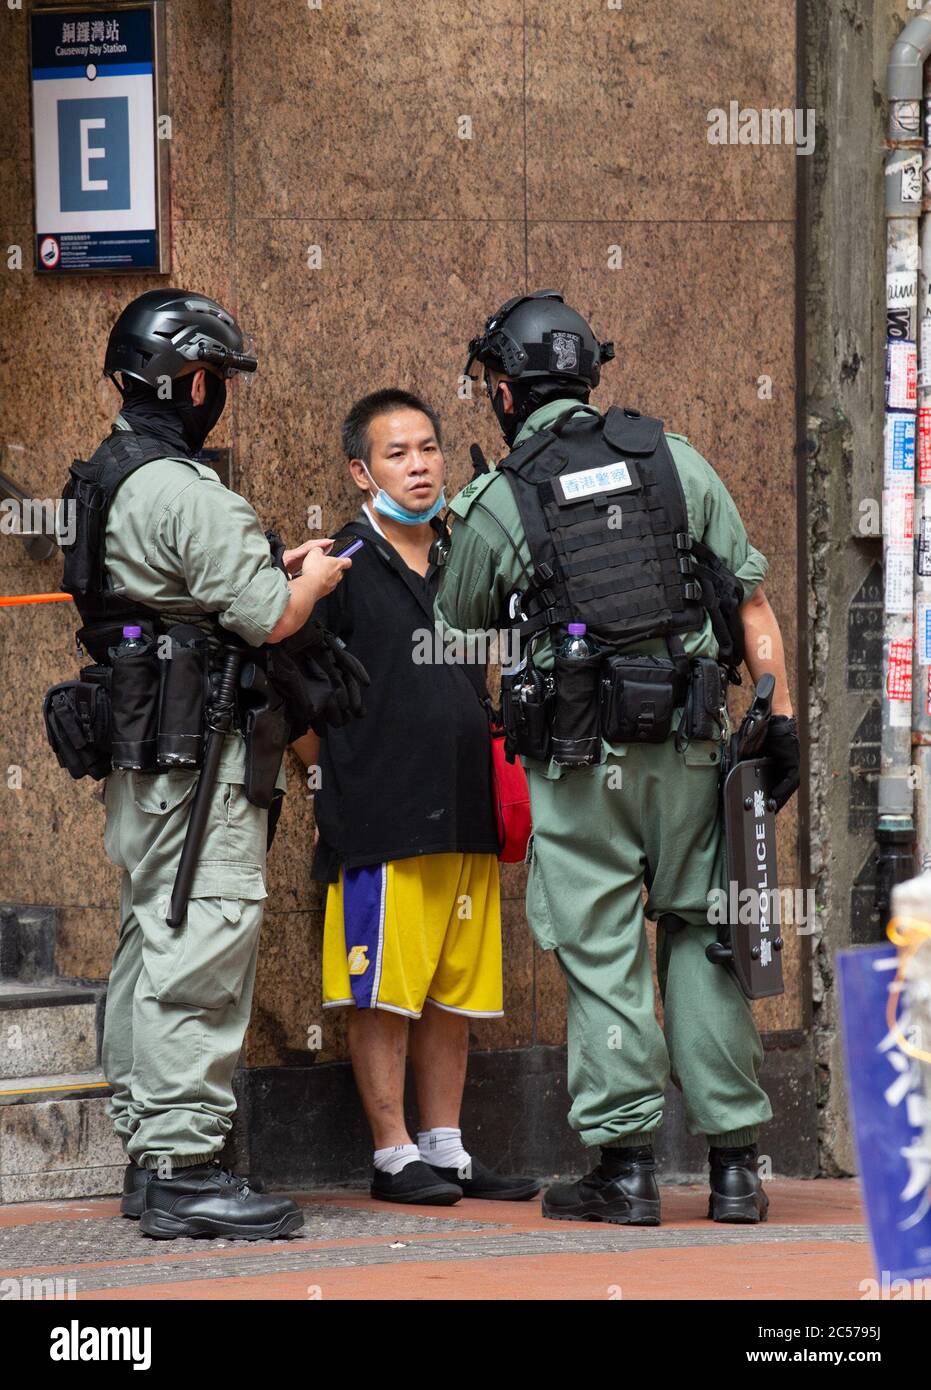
(485, 1183)
(621, 1190)
(736, 1187)
(208, 1201)
(417, 1184)
(134, 1181)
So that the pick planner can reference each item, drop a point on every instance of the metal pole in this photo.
(903, 186)
(921, 710)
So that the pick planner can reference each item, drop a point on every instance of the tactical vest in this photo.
(90, 489)
(605, 518)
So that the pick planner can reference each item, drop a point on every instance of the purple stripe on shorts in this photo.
(363, 907)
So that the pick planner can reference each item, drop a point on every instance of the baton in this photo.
(219, 722)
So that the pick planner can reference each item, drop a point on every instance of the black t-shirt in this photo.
(413, 776)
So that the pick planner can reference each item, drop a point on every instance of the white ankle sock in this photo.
(397, 1157)
(443, 1148)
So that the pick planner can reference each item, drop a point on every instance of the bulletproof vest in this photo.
(90, 489)
(605, 518)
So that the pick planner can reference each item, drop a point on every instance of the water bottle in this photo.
(576, 725)
(576, 645)
(132, 641)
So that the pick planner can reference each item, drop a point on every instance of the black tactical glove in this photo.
(782, 745)
(347, 677)
(320, 680)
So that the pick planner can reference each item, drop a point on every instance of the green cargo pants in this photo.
(648, 814)
(178, 1001)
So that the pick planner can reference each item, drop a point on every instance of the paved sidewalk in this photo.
(812, 1248)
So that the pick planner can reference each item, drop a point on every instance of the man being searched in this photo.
(408, 840)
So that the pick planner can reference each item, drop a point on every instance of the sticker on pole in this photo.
(924, 439)
(899, 452)
(924, 547)
(899, 682)
(901, 289)
(899, 516)
(923, 634)
(899, 589)
(901, 374)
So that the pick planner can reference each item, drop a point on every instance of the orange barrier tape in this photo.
(8, 600)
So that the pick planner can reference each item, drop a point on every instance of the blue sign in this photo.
(95, 139)
(886, 1098)
(93, 154)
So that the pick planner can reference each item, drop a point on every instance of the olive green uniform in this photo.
(179, 1000)
(647, 814)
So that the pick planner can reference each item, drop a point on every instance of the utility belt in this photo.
(565, 713)
(149, 709)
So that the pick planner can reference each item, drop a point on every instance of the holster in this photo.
(266, 727)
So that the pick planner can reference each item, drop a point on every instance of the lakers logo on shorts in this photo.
(358, 960)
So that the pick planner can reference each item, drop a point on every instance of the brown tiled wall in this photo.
(338, 128)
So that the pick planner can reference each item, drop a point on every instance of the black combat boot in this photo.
(134, 1181)
(622, 1190)
(736, 1186)
(208, 1201)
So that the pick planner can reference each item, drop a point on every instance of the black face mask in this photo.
(198, 420)
(175, 419)
(510, 424)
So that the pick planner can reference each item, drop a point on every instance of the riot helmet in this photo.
(162, 332)
(538, 335)
(544, 348)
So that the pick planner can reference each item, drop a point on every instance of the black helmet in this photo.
(164, 331)
(538, 335)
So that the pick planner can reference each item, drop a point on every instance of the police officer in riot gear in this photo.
(610, 524)
(181, 596)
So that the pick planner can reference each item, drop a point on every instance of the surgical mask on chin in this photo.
(387, 506)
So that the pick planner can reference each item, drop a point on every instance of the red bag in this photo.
(512, 800)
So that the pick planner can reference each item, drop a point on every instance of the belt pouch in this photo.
(77, 723)
(182, 697)
(638, 697)
(526, 710)
(576, 738)
(702, 716)
(134, 691)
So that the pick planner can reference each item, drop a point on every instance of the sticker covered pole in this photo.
(895, 829)
(921, 710)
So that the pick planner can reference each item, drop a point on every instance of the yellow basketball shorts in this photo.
(400, 934)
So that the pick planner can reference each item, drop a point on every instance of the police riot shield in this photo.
(754, 938)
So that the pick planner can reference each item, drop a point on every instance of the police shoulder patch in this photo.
(463, 500)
